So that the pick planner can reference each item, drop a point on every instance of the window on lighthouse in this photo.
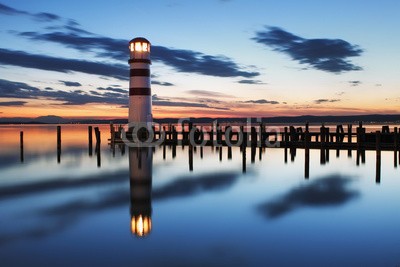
(145, 47)
(138, 47)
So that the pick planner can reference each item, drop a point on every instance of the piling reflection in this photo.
(140, 174)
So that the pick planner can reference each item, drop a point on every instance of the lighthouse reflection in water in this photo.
(140, 170)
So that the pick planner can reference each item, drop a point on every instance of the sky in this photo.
(210, 58)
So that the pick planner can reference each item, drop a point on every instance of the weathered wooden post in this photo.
(292, 131)
(378, 157)
(229, 152)
(97, 134)
(173, 150)
(98, 153)
(395, 145)
(261, 136)
(322, 143)
(253, 136)
(174, 136)
(58, 144)
(349, 138)
(164, 150)
(244, 158)
(211, 134)
(112, 132)
(21, 145)
(253, 154)
(349, 133)
(220, 153)
(360, 135)
(190, 157)
(322, 135)
(306, 153)
(285, 155)
(284, 135)
(293, 151)
(90, 140)
(260, 149)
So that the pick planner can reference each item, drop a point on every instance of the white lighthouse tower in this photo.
(139, 84)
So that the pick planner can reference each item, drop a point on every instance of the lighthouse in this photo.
(139, 83)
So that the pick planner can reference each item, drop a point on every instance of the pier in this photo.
(339, 137)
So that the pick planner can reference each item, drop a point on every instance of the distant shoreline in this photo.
(366, 119)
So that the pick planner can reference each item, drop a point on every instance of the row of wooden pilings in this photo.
(259, 136)
(90, 144)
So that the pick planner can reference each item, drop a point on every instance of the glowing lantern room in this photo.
(139, 48)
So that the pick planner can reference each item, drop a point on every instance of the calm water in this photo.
(135, 208)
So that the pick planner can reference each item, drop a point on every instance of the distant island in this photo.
(373, 118)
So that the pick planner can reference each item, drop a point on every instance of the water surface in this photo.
(125, 206)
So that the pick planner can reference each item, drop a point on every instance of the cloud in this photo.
(207, 93)
(320, 101)
(12, 103)
(261, 101)
(43, 62)
(115, 90)
(196, 62)
(43, 16)
(179, 59)
(162, 83)
(11, 89)
(6, 10)
(71, 84)
(354, 83)
(324, 192)
(166, 102)
(251, 82)
(330, 55)
(46, 17)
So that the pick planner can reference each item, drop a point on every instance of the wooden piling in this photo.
(285, 155)
(98, 154)
(253, 154)
(307, 163)
(244, 159)
(395, 145)
(253, 136)
(190, 158)
(58, 144)
(220, 153)
(349, 133)
(164, 151)
(306, 153)
(21, 145)
(285, 135)
(174, 150)
(229, 152)
(378, 157)
(90, 140)
(97, 135)
(112, 132)
(360, 135)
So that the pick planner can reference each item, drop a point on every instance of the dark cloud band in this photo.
(330, 55)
